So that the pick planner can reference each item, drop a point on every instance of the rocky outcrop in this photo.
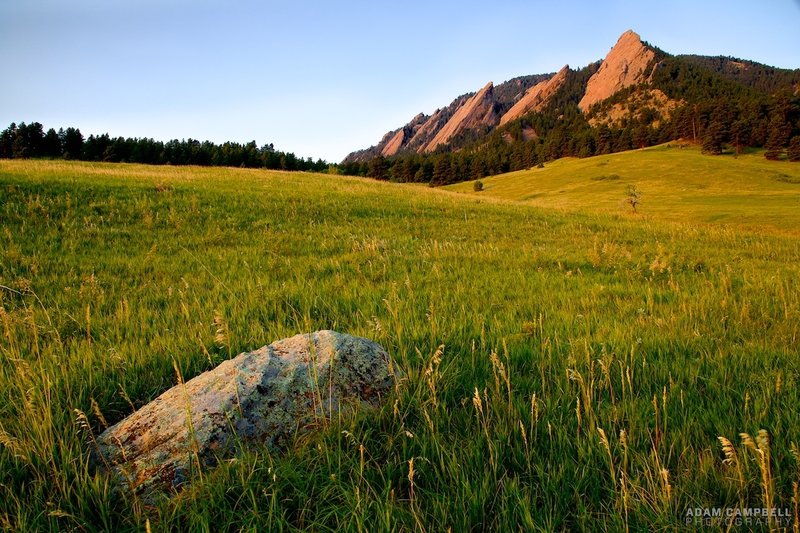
(392, 146)
(265, 396)
(416, 134)
(477, 112)
(536, 97)
(428, 130)
(420, 131)
(625, 65)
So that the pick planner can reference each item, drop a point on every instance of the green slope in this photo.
(677, 183)
(665, 336)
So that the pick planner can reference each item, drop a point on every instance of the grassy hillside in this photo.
(565, 371)
(679, 184)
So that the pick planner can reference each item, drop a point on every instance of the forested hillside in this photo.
(719, 103)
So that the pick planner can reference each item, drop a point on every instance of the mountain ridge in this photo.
(636, 96)
(478, 110)
(394, 141)
(418, 133)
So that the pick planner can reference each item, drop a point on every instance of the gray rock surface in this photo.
(263, 396)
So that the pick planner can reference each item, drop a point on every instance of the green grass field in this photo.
(677, 184)
(565, 370)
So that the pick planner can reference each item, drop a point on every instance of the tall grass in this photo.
(562, 371)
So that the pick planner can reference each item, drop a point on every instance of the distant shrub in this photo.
(610, 177)
(477, 186)
(786, 178)
(633, 197)
(540, 165)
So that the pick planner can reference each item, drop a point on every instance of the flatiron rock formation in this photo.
(536, 97)
(477, 112)
(625, 65)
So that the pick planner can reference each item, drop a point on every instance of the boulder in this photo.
(264, 396)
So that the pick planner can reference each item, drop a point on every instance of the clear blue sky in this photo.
(322, 78)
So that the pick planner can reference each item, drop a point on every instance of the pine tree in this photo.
(780, 130)
(740, 134)
(29, 140)
(52, 144)
(442, 171)
(712, 139)
(378, 168)
(7, 138)
(640, 136)
(604, 140)
(794, 149)
(478, 167)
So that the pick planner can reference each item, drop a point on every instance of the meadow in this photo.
(564, 370)
(676, 181)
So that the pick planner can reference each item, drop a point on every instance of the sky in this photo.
(324, 78)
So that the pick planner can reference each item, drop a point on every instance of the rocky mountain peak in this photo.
(476, 112)
(536, 97)
(625, 65)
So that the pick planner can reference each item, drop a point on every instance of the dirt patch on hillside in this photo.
(652, 103)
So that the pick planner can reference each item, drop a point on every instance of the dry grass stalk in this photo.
(98, 413)
(433, 375)
(221, 332)
(83, 422)
(189, 422)
(667, 488)
(607, 446)
(760, 447)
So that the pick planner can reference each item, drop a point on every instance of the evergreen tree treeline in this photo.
(31, 140)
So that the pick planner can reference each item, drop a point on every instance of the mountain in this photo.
(418, 135)
(636, 96)
(626, 64)
(536, 97)
(488, 108)
(477, 112)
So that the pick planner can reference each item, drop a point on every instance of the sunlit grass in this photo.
(564, 370)
(677, 182)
